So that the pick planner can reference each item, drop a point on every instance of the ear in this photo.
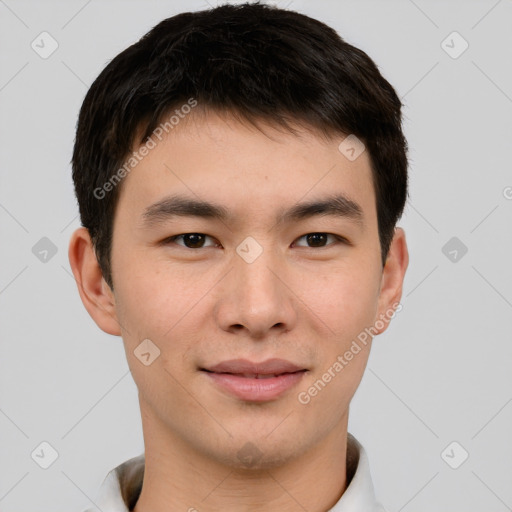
(96, 295)
(392, 279)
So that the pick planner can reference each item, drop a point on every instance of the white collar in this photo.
(358, 497)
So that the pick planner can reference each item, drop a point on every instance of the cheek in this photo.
(150, 299)
(162, 306)
(345, 299)
(154, 307)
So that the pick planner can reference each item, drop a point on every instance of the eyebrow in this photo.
(182, 206)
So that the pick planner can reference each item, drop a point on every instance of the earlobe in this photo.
(96, 295)
(392, 279)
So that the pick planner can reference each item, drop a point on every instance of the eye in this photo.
(319, 239)
(197, 240)
(190, 240)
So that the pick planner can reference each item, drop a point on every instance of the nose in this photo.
(255, 297)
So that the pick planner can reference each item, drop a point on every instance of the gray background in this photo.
(441, 373)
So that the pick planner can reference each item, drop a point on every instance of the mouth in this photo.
(255, 375)
(255, 382)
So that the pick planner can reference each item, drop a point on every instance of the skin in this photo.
(204, 305)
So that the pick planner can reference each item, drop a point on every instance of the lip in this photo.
(238, 378)
(267, 367)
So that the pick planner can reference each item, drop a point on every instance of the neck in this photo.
(179, 477)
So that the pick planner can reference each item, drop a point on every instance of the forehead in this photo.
(234, 163)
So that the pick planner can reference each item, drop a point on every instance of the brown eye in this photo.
(193, 240)
(190, 240)
(317, 239)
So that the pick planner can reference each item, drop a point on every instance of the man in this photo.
(240, 172)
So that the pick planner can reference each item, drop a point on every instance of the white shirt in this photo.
(126, 479)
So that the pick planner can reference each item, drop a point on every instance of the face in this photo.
(270, 278)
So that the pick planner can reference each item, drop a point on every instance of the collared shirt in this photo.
(121, 488)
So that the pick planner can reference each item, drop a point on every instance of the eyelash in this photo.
(339, 239)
